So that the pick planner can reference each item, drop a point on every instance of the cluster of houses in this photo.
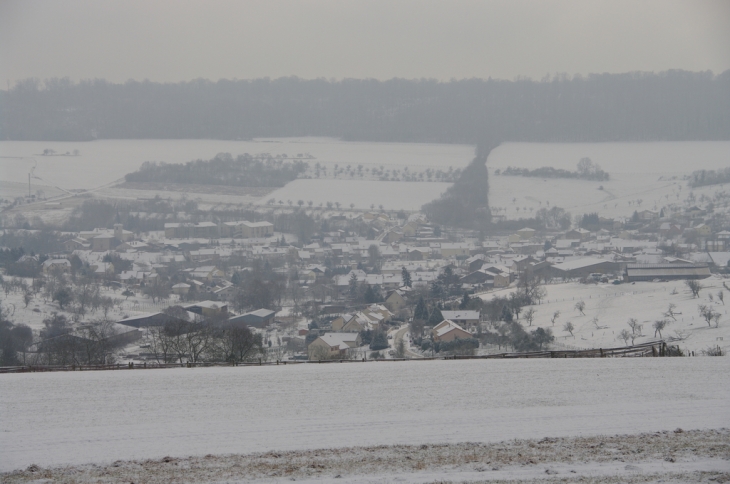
(651, 248)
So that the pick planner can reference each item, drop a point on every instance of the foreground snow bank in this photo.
(679, 456)
(82, 417)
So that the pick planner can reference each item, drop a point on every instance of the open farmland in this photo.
(362, 194)
(639, 171)
(79, 417)
(105, 161)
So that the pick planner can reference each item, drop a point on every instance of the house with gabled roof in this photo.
(207, 308)
(462, 318)
(449, 331)
(341, 321)
(395, 302)
(49, 265)
(206, 273)
(526, 233)
(333, 345)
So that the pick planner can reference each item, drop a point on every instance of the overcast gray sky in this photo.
(174, 40)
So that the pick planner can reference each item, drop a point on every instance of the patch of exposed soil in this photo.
(679, 456)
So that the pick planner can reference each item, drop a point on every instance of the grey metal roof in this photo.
(668, 271)
(678, 265)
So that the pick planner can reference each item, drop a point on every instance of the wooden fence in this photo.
(654, 349)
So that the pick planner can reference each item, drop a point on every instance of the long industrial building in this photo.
(672, 272)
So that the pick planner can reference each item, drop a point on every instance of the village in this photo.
(354, 285)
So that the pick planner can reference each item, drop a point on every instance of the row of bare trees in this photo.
(94, 343)
(214, 339)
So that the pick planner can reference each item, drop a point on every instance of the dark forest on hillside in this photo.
(673, 105)
(243, 171)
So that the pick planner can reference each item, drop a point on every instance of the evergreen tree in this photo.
(379, 341)
(506, 314)
(406, 276)
(353, 285)
(421, 311)
(464, 301)
(370, 296)
(236, 278)
(436, 317)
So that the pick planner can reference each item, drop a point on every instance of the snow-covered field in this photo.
(10, 190)
(521, 197)
(105, 161)
(667, 157)
(363, 194)
(613, 306)
(635, 170)
(77, 417)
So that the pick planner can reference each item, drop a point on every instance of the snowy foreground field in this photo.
(58, 419)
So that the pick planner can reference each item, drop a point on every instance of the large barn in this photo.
(580, 268)
(670, 272)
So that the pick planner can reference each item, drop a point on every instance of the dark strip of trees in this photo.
(671, 105)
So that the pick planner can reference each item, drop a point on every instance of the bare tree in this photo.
(658, 326)
(530, 316)
(107, 304)
(237, 343)
(160, 343)
(197, 339)
(708, 313)
(156, 290)
(626, 336)
(28, 294)
(635, 329)
(580, 306)
(569, 328)
(555, 317)
(694, 286)
(531, 288)
(96, 343)
(721, 296)
(670, 311)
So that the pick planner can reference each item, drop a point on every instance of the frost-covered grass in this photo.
(624, 458)
(98, 417)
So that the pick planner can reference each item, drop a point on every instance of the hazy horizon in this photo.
(179, 41)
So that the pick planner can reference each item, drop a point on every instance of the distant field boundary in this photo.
(654, 349)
